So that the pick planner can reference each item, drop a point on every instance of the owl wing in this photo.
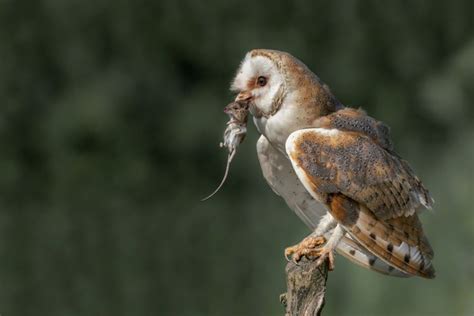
(370, 191)
(357, 165)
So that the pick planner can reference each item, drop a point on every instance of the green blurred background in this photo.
(110, 119)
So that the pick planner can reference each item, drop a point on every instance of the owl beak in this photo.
(243, 96)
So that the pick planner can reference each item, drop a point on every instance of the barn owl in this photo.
(336, 168)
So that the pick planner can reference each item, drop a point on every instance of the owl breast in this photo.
(278, 127)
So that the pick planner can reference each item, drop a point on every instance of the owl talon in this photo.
(308, 248)
(326, 254)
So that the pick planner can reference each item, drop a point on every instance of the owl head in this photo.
(270, 80)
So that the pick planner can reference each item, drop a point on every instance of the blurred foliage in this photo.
(110, 116)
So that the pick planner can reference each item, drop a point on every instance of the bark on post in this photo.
(306, 288)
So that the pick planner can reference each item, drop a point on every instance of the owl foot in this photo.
(326, 253)
(310, 248)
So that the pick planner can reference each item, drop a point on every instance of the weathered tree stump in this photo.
(306, 288)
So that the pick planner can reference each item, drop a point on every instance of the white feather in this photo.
(250, 69)
(403, 248)
(415, 255)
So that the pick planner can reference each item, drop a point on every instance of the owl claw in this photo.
(308, 248)
(326, 254)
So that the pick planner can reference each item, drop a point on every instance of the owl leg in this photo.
(327, 251)
(327, 223)
(311, 246)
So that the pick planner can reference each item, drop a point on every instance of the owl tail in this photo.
(356, 253)
(399, 242)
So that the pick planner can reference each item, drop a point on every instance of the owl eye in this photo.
(261, 81)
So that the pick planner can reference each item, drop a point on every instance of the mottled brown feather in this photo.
(356, 120)
(355, 165)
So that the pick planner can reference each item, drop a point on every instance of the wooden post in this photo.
(306, 288)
